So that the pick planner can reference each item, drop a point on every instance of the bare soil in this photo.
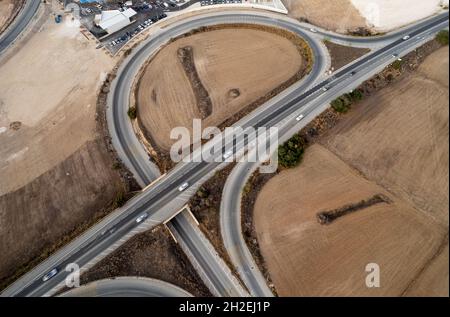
(399, 137)
(338, 15)
(429, 275)
(59, 173)
(151, 254)
(8, 11)
(306, 258)
(42, 215)
(344, 55)
(47, 102)
(429, 282)
(235, 68)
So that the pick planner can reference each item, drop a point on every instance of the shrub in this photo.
(397, 64)
(132, 113)
(339, 105)
(442, 37)
(356, 95)
(344, 102)
(119, 200)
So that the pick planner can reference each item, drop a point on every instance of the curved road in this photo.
(19, 24)
(127, 287)
(162, 200)
(230, 210)
(130, 149)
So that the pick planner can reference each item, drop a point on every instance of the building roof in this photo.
(112, 17)
(129, 13)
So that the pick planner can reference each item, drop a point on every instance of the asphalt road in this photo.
(230, 217)
(122, 222)
(20, 23)
(127, 287)
(222, 282)
(126, 142)
(155, 198)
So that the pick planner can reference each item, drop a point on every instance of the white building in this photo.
(114, 20)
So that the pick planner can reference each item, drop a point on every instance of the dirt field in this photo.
(36, 216)
(408, 137)
(8, 10)
(386, 15)
(309, 259)
(349, 15)
(235, 67)
(394, 143)
(56, 172)
(56, 111)
(150, 254)
(337, 15)
(343, 55)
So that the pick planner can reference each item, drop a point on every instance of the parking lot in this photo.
(212, 2)
(148, 13)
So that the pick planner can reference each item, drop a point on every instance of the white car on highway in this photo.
(183, 187)
(142, 217)
(406, 37)
(50, 274)
(300, 117)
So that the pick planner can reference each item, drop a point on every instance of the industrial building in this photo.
(114, 20)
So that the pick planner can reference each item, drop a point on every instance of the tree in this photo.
(291, 152)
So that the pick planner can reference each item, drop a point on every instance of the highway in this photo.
(196, 246)
(127, 287)
(162, 200)
(19, 24)
(230, 211)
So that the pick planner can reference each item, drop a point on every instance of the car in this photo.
(300, 117)
(313, 30)
(325, 88)
(183, 187)
(50, 274)
(142, 217)
(406, 37)
(228, 154)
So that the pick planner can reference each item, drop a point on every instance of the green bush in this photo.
(356, 95)
(290, 153)
(397, 64)
(340, 105)
(132, 113)
(344, 102)
(442, 37)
